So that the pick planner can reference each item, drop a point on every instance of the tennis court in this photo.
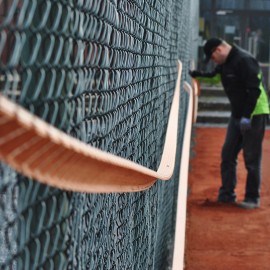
(224, 237)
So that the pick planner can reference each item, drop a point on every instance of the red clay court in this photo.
(224, 237)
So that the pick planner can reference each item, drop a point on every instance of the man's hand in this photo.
(245, 124)
(194, 73)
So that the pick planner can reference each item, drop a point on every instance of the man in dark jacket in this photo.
(242, 80)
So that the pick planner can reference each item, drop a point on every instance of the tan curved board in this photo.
(38, 150)
(195, 87)
(179, 243)
(196, 92)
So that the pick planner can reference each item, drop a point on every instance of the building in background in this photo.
(243, 22)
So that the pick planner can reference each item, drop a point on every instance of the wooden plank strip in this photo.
(40, 151)
(179, 242)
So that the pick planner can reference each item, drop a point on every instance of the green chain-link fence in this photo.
(102, 71)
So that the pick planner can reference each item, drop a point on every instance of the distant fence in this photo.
(103, 72)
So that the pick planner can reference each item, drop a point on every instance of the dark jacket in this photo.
(241, 78)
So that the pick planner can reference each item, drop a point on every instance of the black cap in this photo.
(209, 47)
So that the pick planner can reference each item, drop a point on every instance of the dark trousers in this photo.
(251, 143)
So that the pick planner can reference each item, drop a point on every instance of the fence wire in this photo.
(104, 72)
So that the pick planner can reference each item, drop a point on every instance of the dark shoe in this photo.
(249, 204)
(227, 200)
(216, 203)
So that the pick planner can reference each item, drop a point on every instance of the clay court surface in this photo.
(224, 237)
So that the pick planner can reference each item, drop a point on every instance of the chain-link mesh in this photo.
(102, 71)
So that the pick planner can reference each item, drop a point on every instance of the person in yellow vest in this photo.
(242, 80)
